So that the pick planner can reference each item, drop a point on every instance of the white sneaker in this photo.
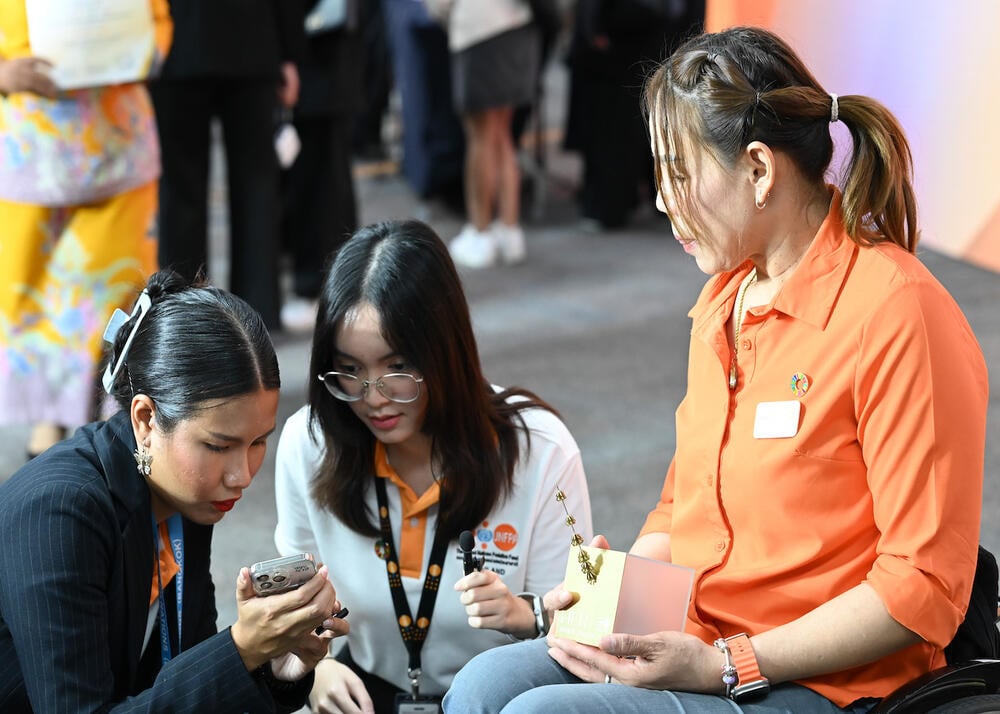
(299, 315)
(473, 248)
(509, 241)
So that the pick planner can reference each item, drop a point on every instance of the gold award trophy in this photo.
(615, 591)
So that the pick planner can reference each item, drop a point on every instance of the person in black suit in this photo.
(106, 600)
(615, 44)
(234, 60)
(319, 206)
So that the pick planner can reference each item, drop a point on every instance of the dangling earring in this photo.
(760, 204)
(143, 459)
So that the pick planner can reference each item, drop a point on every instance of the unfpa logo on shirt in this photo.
(495, 544)
(503, 536)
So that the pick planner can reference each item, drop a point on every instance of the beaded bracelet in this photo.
(729, 677)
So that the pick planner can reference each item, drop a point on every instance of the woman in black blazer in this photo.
(88, 586)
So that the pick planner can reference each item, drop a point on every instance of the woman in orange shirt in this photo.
(826, 488)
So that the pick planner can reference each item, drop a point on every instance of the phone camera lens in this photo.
(279, 578)
(262, 578)
(266, 585)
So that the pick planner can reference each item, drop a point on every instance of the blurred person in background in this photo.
(615, 44)
(319, 209)
(78, 171)
(495, 62)
(368, 142)
(236, 61)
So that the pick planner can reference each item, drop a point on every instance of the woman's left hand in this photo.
(490, 605)
(663, 660)
(27, 74)
(288, 89)
(308, 652)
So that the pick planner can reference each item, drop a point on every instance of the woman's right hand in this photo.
(267, 627)
(338, 690)
(27, 74)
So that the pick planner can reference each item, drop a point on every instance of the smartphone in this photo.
(280, 575)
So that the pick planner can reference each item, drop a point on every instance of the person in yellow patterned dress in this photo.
(78, 172)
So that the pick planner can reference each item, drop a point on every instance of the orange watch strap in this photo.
(744, 658)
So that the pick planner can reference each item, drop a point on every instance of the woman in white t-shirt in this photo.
(403, 446)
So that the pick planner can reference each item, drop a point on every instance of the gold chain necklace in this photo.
(738, 317)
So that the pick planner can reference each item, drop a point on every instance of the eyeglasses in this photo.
(398, 387)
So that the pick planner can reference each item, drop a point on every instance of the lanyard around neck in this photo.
(413, 633)
(175, 530)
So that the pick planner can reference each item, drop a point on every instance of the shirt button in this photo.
(720, 546)
(414, 522)
(747, 344)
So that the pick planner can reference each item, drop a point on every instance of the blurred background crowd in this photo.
(291, 101)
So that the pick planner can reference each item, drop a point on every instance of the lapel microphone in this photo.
(467, 542)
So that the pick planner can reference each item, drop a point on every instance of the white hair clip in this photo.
(119, 318)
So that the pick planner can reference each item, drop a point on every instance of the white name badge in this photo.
(777, 420)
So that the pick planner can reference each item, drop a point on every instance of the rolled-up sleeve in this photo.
(921, 391)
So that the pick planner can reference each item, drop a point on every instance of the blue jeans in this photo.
(522, 678)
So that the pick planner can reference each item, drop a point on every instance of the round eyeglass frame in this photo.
(365, 383)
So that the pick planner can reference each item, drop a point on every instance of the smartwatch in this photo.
(541, 616)
(750, 683)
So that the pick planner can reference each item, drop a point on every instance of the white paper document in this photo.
(92, 42)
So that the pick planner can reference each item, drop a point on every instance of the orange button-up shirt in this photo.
(881, 481)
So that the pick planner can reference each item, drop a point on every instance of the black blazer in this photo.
(234, 38)
(76, 565)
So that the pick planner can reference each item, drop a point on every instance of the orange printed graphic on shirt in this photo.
(505, 536)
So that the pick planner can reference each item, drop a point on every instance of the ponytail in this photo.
(879, 202)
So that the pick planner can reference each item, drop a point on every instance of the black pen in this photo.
(339, 615)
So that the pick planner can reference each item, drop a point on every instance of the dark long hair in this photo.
(726, 89)
(403, 270)
(198, 343)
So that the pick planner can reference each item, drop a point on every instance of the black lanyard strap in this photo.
(413, 633)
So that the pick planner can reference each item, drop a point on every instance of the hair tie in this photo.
(119, 318)
(834, 109)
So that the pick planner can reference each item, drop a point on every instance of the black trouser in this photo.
(319, 211)
(245, 107)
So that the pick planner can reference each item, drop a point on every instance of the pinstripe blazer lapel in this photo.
(130, 495)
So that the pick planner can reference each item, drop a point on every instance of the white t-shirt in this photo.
(525, 540)
(469, 22)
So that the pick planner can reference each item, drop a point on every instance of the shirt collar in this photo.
(410, 503)
(811, 291)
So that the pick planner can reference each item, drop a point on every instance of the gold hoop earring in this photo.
(760, 204)
(143, 460)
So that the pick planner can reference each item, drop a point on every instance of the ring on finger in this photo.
(607, 679)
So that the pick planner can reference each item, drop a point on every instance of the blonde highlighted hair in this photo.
(723, 90)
